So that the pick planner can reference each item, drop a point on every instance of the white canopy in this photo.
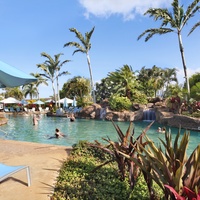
(68, 100)
(10, 100)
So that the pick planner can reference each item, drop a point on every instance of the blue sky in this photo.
(31, 27)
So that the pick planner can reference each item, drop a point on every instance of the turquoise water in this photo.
(20, 128)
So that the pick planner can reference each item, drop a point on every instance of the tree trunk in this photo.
(54, 93)
(184, 63)
(91, 79)
(58, 89)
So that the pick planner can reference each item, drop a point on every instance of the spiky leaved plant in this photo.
(128, 146)
(170, 166)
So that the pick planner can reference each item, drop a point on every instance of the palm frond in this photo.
(151, 32)
(78, 34)
(194, 27)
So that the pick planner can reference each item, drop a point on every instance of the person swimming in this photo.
(161, 130)
(58, 134)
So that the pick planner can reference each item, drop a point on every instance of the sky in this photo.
(29, 28)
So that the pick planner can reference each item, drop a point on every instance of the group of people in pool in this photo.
(58, 134)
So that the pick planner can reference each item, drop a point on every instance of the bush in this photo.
(118, 103)
(77, 180)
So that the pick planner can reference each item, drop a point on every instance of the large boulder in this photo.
(90, 112)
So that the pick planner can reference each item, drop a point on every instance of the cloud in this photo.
(190, 72)
(127, 8)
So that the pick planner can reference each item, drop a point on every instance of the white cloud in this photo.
(190, 72)
(127, 8)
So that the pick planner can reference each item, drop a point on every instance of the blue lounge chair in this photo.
(6, 171)
(12, 109)
(6, 109)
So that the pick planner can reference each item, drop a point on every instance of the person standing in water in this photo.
(36, 118)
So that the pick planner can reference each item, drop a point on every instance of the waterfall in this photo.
(102, 113)
(149, 115)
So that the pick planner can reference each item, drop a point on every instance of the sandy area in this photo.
(44, 162)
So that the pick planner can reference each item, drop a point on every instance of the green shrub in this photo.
(118, 103)
(77, 180)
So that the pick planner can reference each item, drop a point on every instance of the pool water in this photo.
(21, 128)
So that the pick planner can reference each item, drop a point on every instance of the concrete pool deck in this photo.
(44, 161)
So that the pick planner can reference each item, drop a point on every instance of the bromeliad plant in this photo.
(128, 146)
(170, 168)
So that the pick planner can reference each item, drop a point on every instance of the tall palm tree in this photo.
(177, 20)
(40, 80)
(84, 47)
(51, 68)
(123, 80)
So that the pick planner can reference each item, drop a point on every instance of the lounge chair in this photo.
(12, 109)
(6, 109)
(6, 171)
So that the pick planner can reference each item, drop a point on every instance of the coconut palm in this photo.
(15, 92)
(30, 90)
(176, 21)
(51, 68)
(169, 76)
(40, 80)
(123, 80)
(156, 78)
(84, 47)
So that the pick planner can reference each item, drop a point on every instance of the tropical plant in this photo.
(78, 180)
(103, 90)
(118, 103)
(51, 68)
(143, 79)
(128, 146)
(84, 47)
(15, 92)
(177, 20)
(169, 76)
(123, 81)
(78, 87)
(40, 80)
(169, 165)
(195, 86)
(156, 78)
(30, 90)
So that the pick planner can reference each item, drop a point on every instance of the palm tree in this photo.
(169, 76)
(84, 47)
(15, 92)
(51, 68)
(40, 80)
(177, 20)
(31, 90)
(123, 80)
(156, 78)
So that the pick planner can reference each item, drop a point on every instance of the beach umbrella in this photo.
(12, 77)
(74, 102)
(50, 101)
(65, 104)
(38, 102)
(10, 100)
(24, 102)
(67, 99)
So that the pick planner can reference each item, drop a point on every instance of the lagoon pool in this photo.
(20, 128)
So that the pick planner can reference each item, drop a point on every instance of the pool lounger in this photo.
(6, 171)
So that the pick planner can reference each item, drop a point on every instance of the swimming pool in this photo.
(20, 128)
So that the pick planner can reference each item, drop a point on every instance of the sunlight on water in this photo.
(20, 128)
